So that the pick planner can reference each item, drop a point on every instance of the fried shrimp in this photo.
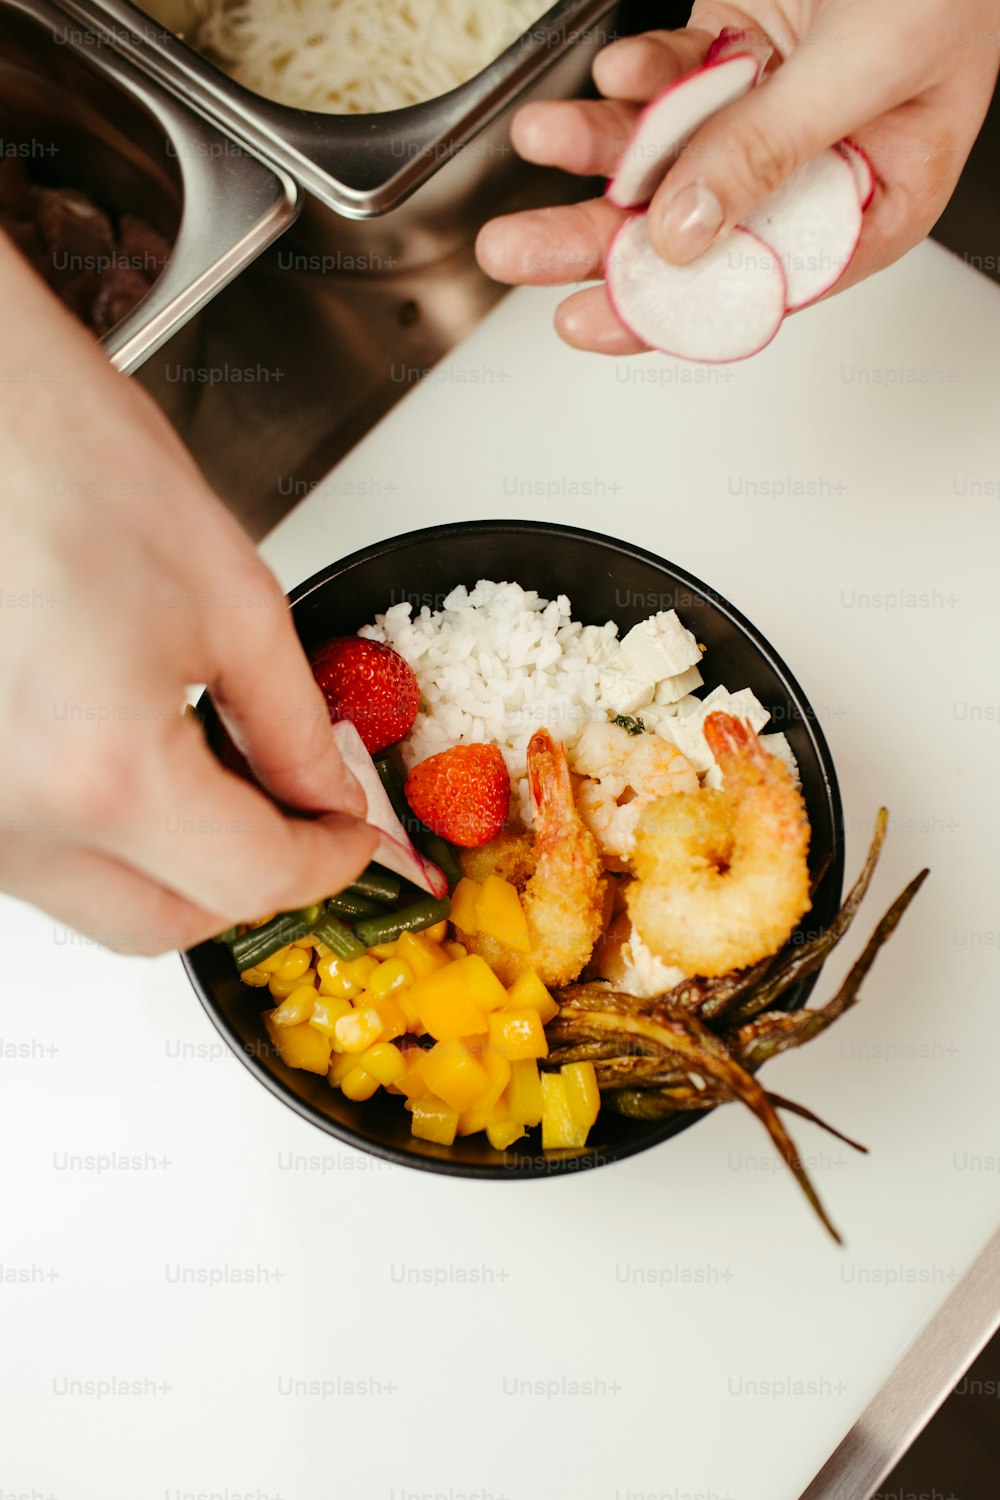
(722, 875)
(557, 871)
(624, 774)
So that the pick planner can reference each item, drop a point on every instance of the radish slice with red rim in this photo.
(396, 850)
(735, 39)
(813, 224)
(671, 119)
(861, 165)
(726, 305)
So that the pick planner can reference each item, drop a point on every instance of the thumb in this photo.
(832, 84)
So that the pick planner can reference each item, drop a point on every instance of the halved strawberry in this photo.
(370, 684)
(463, 794)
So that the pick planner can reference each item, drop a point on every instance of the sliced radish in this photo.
(396, 850)
(734, 39)
(813, 223)
(671, 119)
(864, 172)
(726, 305)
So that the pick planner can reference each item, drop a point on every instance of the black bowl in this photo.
(605, 580)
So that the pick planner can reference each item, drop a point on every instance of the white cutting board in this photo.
(675, 1325)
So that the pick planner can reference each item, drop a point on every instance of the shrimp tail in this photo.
(548, 774)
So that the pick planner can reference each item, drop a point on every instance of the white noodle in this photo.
(350, 56)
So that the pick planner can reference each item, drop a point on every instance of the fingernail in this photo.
(689, 224)
(355, 801)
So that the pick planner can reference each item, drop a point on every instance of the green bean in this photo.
(442, 853)
(229, 936)
(393, 782)
(252, 947)
(413, 918)
(348, 905)
(337, 936)
(377, 885)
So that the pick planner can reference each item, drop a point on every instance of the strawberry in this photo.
(370, 684)
(463, 794)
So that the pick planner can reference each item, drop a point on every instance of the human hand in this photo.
(910, 83)
(126, 581)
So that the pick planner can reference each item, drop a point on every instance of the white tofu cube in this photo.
(714, 778)
(671, 689)
(778, 745)
(687, 730)
(661, 646)
(686, 733)
(625, 689)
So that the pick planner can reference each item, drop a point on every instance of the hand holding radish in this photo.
(910, 84)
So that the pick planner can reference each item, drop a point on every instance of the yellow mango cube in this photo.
(412, 1082)
(357, 1031)
(503, 1134)
(524, 1093)
(500, 915)
(451, 1002)
(582, 1093)
(420, 952)
(327, 1011)
(463, 906)
(300, 1046)
(528, 989)
(433, 1120)
(359, 1084)
(451, 1072)
(471, 1121)
(391, 975)
(559, 1128)
(518, 1034)
(384, 1062)
(497, 1069)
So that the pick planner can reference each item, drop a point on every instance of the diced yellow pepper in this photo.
(300, 1046)
(384, 1062)
(582, 1093)
(500, 915)
(559, 1128)
(437, 933)
(518, 1034)
(420, 952)
(524, 1093)
(433, 1120)
(296, 1007)
(463, 906)
(455, 950)
(503, 1134)
(359, 1084)
(327, 1011)
(528, 989)
(390, 1013)
(256, 977)
(382, 951)
(452, 1073)
(394, 974)
(358, 1031)
(341, 1064)
(413, 1083)
(471, 1121)
(282, 988)
(451, 1002)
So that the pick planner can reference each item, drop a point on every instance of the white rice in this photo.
(494, 664)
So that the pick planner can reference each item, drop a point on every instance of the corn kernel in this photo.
(256, 977)
(455, 950)
(420, 952)
(294, 964)
(309, 942)
(500, 915)
(357, 1032)
(360, 970)
(296, 1007)
(273, 964)
(433, 1120)
(524, 1092)
(438, 932)
(463, 906)
(281, 988)
(391, 1015)
(454, 1075)
(263, 921)
(582, 1093)
(382, 951)
(528, 989)
(327, 1010)
(341, 1063)
(559, 1129)
(518, 1034)
(384, 1062)
(358, 1084)
(391, 975)
(300, 1046)
(504, 1134)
